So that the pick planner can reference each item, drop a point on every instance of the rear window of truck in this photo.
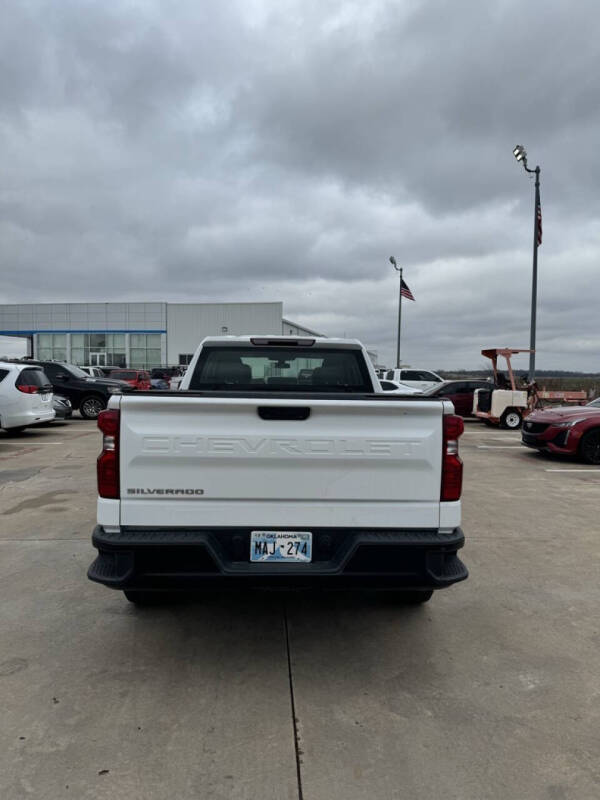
(280, 369)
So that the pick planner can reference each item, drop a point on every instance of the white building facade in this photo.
(139, 335)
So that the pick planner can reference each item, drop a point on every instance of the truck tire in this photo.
(511, 419)
(589, 447)
(91, 406)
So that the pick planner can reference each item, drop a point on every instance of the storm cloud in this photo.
(283, 150)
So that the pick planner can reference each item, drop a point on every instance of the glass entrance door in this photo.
(97, 359)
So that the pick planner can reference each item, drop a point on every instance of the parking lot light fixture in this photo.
(520, 154)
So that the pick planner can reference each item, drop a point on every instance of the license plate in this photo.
(281, 546)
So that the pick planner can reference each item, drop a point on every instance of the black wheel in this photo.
(511, 419)
(590, 446)
(91, 406)
(415, 597)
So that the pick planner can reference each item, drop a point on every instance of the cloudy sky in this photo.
(283, 149)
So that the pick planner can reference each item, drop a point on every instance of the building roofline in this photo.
(223, 303)
(155, 302)
(287, 321)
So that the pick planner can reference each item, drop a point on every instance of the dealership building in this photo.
(141, 335)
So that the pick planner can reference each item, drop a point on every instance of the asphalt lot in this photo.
(491, 690)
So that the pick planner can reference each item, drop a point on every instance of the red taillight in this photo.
(452, 466)
(27, 389)
(108, 460)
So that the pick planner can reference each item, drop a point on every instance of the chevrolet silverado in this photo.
(279, 463)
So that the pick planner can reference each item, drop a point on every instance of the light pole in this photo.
(520, 154)
(399, 270)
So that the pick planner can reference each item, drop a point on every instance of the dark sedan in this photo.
(460, 393)
(570, 430)
(62, 406)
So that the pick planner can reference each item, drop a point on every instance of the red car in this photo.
(573, 431)
(138, 378)
(460, 392)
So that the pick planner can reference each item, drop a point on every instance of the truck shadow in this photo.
(333, 644)
(327, 624)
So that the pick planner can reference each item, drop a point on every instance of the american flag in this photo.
(538, 216)
(405, 291)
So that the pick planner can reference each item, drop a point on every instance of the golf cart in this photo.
(504, 405)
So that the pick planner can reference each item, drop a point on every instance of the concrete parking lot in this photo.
(491, 690)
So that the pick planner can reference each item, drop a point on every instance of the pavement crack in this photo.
(297, 749)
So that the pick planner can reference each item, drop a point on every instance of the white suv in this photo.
(94, 372)
(25, 396)
(397, 388)
(418, 378)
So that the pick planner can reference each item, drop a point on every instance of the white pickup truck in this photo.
(280, 462)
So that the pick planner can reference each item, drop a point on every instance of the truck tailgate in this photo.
(191, 460)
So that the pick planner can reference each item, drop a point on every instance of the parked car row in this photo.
(35, 392)
(431, 385)
(87, 395)
(563, 430)
(158, 377)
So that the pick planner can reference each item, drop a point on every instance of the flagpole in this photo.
(399, 271)
(399, 321)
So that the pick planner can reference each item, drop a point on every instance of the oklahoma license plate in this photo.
(280, 546)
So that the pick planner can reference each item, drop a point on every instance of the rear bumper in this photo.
(218, 558)
(28, 418)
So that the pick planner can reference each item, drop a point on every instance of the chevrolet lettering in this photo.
(311, 476)
(235, 446)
